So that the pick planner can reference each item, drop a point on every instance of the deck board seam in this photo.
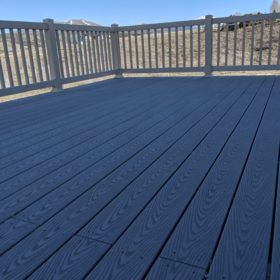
(182, 262)
(93, 239)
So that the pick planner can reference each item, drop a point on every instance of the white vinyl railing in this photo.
(247, 43)
(162, 47)
(38, 55)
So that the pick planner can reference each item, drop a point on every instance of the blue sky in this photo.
(125, 12)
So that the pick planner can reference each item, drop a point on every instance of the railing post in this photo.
(208, 45)
(116, 50)
(53, 55)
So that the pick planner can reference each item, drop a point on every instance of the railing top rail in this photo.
(43, 26)
(22, 25)
(162, 25)
(257, 17)
(72, 27)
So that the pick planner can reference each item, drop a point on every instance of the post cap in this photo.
(48, 20)
(114, 26)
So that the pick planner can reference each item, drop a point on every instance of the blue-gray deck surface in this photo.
(157, 178)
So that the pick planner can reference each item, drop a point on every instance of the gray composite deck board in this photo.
(93, 127)
(153, 179)
(81, 163)
(127, 172)
(161, 213)
(249, 223)
(53, 127)
(84, 124)
(195, 236)
(95, 111)
(141, 177)
(37, 115)
(73, 121)
(76, 152)
(84, 103)
(93, 173)
(25, 126)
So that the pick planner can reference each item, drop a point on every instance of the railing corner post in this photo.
(53, 55)
(208, 44)
(116, 50)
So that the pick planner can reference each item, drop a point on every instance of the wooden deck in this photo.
(157, 178)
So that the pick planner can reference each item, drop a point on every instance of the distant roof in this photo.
(80, 22)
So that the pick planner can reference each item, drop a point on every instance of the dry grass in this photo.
(199, 52)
